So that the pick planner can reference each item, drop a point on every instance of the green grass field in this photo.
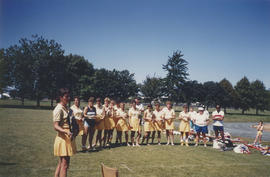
(26, 149)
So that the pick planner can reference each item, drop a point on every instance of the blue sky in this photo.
(219, 38)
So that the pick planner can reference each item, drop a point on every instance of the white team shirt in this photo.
(184, 116)
(201, 119)
(168, 114)
(219, 114)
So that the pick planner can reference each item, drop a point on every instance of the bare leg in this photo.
(171, 137)
(159, 136)
(187, 135)
(138, 138)
(260, 139)
(204, 139)
(132, 138)
(64, 166)
(126, 137)
(181, 138)
(222, 135)
(91, 135)
(105, 137)
(168, 137)
(147, 137)
(197, 138)
(84, 137)
(153, 136)
(58, 167)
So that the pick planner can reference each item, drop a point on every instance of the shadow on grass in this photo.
(27, 107)
(6, 164)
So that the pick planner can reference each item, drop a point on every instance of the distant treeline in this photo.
(36, 68)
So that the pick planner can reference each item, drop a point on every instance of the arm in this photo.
(60, 129)
(85, 112)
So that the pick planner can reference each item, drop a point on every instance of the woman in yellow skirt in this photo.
(78, 114)
(99, 121)
(158, 122)
(122, 125)
(64, 145)
(184, 126)
(134, 122)
(148, 123)
(109, 121)
(169, 116)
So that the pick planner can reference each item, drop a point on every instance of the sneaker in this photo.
(172, 144)
(205, 145)
(148, 144)
(137, 145)
(196, 144)
(167, 144)
(182, 144)
(187, 144)
(159, 144)
(133, 145)
(84, 148)
(128, 144)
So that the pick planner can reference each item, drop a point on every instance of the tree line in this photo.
(36, 68)
(177, 87)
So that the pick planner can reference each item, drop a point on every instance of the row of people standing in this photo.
(112, 116)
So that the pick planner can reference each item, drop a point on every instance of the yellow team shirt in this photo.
(134, 119)
(169, 115)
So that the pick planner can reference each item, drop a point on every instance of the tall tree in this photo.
(244, 94)
(76, 68)
(4, 71)
(193, 92)
(176, 68)
(213, 93)
(21, 72)
(229, 95)
(151, 88)
(259, 96)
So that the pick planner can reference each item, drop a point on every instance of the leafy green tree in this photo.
(213, 93)
(4, 71)
(244, 94)
(176, 68)
(152, 88)
(105, 83)
(259, 96)
(76, 68)
(229, 95)
(21, 65)
(193, 92)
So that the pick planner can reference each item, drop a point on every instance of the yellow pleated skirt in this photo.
(184, 126)
(81, 127)
(135, 124)
(63, 146)
(122, 125)
(148, 126)
(158, 125)
(99, 124)
(169, 124)
(109, 123)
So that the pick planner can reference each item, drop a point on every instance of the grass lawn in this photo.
(26, 149)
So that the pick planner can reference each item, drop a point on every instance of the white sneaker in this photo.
(196, 144)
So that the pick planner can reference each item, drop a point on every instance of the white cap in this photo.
(200, 109)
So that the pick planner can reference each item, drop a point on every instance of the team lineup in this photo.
(105, 118)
